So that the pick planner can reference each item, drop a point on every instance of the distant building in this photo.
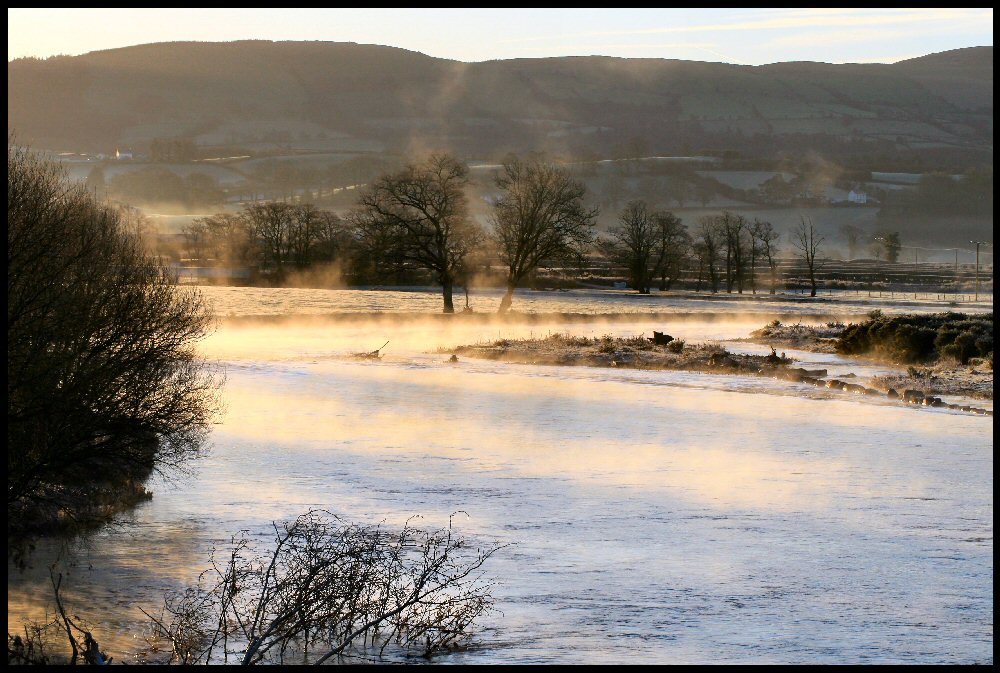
(857, 197)
(123, 155)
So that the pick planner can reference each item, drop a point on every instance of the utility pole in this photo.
(978, 243)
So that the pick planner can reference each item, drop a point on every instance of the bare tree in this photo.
(708, 248)
(332, 240)
(269, 224)
(632, 243)
(853, 235)
(764, 237)
(303, 226)
(103, 380)
(378, 247)
(539, 217)
(807, 241)
(672, 244)
(196, 239)
(729, 233)
(329, 590)
(735, 232)
(424, 207)
(229, 238)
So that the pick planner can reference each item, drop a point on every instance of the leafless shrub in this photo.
(329, 590)
(28, 650)
(40, 638)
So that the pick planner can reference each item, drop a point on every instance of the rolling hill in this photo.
(347, 97)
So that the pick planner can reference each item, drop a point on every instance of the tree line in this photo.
(417, 222)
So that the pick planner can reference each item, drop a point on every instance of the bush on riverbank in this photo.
(104, 383)
(921, 338)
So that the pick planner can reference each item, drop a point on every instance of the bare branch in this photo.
(338, 589)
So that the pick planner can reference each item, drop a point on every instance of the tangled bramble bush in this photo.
(327, 590)
(921, 338)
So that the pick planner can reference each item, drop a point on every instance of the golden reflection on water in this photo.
(292, 398)
(714, 447)
(310, 337)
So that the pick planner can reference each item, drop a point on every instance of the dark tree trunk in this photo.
(446, 290)
(508, 297)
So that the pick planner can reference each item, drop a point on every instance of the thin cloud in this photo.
(795, 19)
(814, 38)
(634, 45)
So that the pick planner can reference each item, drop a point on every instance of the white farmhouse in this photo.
(857, 197)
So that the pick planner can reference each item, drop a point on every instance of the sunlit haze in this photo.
(500, 336)
(747, 36)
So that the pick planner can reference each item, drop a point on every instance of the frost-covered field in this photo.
(663, 517)
(256, 301)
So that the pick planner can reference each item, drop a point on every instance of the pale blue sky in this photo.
(742, 35)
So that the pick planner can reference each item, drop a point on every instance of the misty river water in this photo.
(654, 517)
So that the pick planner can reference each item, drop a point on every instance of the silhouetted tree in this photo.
(672, 244)
(733, 235)
(632, 243)
(229, 238)
(891, 245)
(332, 238)
(103, 380)
(806, 240)
(269, 225)
(735, 231)
(196, 239)
(424, 208)
(538, 217)
(764, 238)
(708, 249)
(303, 233)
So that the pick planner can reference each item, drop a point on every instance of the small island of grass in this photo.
(627, 352)
(945, 373)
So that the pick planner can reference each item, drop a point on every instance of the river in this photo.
(653, 517)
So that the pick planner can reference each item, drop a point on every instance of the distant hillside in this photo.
(348, 97)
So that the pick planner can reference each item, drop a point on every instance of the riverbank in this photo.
(945, 376)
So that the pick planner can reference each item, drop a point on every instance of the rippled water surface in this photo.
(663, 517)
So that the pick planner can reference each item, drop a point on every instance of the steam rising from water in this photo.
(670, 516)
